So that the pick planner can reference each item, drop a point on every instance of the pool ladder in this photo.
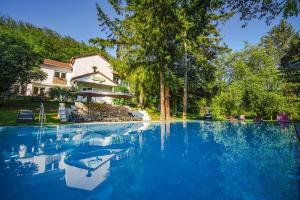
(42, 115)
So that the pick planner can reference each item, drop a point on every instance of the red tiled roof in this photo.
(57, 63)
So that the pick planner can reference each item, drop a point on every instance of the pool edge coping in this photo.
(90, 123)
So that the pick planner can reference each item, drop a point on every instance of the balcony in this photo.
(59, 81)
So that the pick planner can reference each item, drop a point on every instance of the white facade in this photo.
(88, 72)
(84, 65)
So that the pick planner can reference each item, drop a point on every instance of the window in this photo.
(42, 91)
(23, 90)
(35, 90)
(57, 74)
(87, 89)
(16, 89)
(62, 75)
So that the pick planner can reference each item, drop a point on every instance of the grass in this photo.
(9, 111)
(155, 115)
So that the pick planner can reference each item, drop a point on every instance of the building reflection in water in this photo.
(88, 171)
(82, 158)
(143, 128)
(69, 162)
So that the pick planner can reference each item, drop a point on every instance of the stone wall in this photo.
(104, 112)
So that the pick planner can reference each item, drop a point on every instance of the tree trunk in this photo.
(175, 105)
(184, 107)
(167, 103)
(141, 98)
(184, 110)
(162, 96)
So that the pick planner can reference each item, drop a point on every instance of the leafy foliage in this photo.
(292, 75)
(120, 101)
(46, 42)
(61, 94)
(121, 89)
(18, 62)
(24, 46)
(158, 43)
(254, 85)
(279, 40)
(268, 9)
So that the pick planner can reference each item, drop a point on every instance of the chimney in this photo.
(94, 69)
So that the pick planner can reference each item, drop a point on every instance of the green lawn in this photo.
(9, 111)
(155, 115)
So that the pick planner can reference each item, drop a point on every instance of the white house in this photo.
(91, 72)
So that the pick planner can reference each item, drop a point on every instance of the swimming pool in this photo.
(178, 160)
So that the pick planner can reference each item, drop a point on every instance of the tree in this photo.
(200, 40)
(291, 74)
(145, 37)
(120, 101)
(46, 42)
(279, 40)
(18, 62)
(267, 9)
(61, 94)
(254, 85)
(168, 37)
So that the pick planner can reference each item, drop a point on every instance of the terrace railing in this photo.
(59, 81)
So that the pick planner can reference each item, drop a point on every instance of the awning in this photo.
(103, 94)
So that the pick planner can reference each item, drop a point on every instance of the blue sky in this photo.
(77, 18)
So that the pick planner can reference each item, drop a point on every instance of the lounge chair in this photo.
(242, 117)
(208, 116)
(25, 116)
(283, 117)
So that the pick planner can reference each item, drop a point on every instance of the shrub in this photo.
(61, 94)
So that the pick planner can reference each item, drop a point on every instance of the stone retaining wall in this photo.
(104, 112)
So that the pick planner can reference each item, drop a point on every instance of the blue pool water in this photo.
(192, 160)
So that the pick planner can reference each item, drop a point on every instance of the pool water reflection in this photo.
(180, 160)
